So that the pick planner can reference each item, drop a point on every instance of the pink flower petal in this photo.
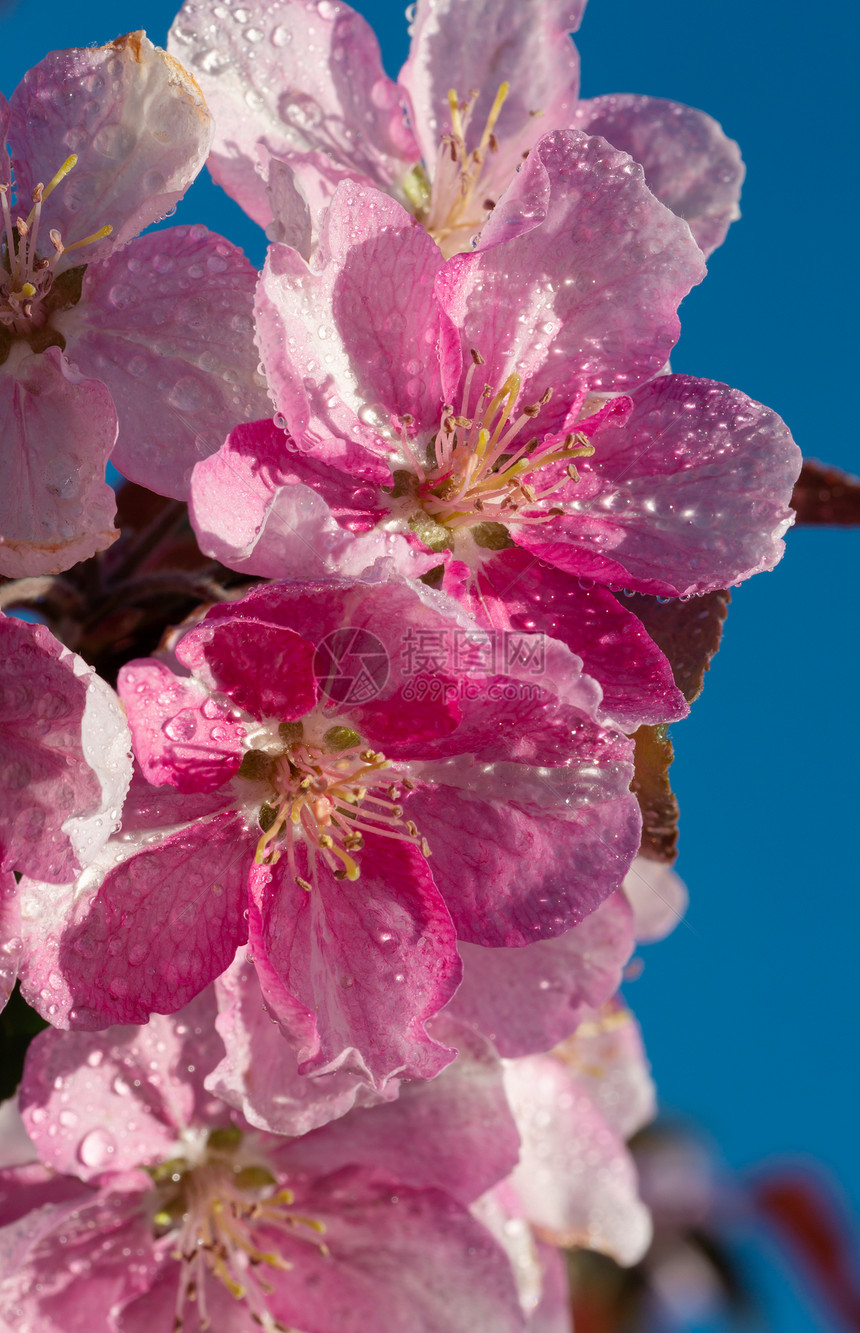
(291, 520)
(295, 79)
(357, 339)
(606, 1057)
(454, 1132)
(259, 1072)
(138, 125)
(118, 1100)
(610, 326)
(143, 936)
(526, 1000)
(482, 45)
(182, 736)
(575, 1178)
(65, 752)
(372, 961)
(167, 325)
(690, 494)
(658, 897)
(690, 164)
(521, 854)
(67, 1262)
(369, 1279)
(57, 431)
(636, 678)
(10, 935)
(278, 682)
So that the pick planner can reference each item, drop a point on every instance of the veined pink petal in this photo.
(576, 1179)
(636, 678)
(137, 123)
(527, 1000)
(690, 164)
(454, 1132)
(66, 766)
(372, 961)
(97, 1103)
(57, 430)
(67, 1261)
(294, 79)
(167, 325)
(182, 736)
(690, 494)
(600, 268)
(259, 1072)
(521, 854)
(142, 936)
(481, 45)
(292, 514)
(279, 683)
(358, 340)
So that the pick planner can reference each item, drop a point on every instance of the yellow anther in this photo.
(28, 290)
(88, 240)
(61, 175)
(495, 111)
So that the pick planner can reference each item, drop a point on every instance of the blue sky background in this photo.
(750, 1009)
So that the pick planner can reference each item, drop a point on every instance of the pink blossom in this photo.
(658, 898)
(64, 772)
(575, 1184)
(292, 808)
(301, 103)
(496, 421)
(159, 1207)
(101, 333)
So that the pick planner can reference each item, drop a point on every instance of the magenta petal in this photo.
(167, 325)
(481, 45)
(137, 123)
(118, 1100)
(636, 679)
(308, 80)
(370, 1279)
(267, 670)
(66, 767)
(454, 1132)
(288, 523)
(527, 1000)
(259, 1071)
(5, 162)
(610, 327)
(182, 736)
(57, 430)
(372, 961)
(690, 164)
(522, 854)
(689, 495)
(158, 928)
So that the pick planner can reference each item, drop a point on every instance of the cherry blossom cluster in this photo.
(328, 902)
